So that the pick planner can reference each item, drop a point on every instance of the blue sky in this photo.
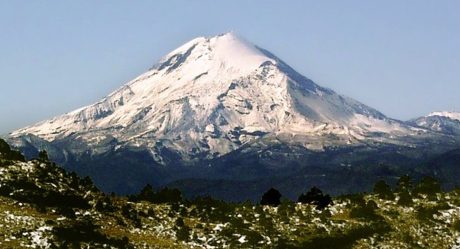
(400, 57)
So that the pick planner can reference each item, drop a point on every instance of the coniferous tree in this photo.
(182, 230)
(316, 197)
(271, 197)
(43, 156)
(404, 184)
(383, 190)
(428, 185)
(7, 153)
(311, 196)
(4, 147)
(324, 201)
(86, 182)
(146, 194)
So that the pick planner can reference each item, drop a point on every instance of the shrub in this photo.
(428, 185)
(85, 230)
(182, 230)
(426, 213)
(129, 212)
(165, 195)
(365, 211)
(405, 199)
(456, 225)
(105, 205)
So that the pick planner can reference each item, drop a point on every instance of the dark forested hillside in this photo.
(43, 206)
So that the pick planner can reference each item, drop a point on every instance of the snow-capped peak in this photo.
(451, 115)
(236, 52)
(212, 95)
(227, 51)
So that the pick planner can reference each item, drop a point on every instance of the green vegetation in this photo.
(271, 197)
(7, 155)
(316, 197)
(383, 190)
(42, 206)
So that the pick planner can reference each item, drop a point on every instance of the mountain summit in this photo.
(210, 96)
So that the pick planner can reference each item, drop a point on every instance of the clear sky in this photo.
(400, 57)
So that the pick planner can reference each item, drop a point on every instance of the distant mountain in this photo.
(210, 102)
(444, 122)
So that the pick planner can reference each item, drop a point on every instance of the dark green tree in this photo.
(43, 156)
(404, 184)
(405, 199)
(383, 190)
(105, 204)
(324, 201)
(428, 185)
(311, 196)
(86, 182)
(7, 153)
(271, 197)
(4, 147)
(168, 195)
(130, 213)
(146, 194)
(316, 197)
(182, 230)
(364, 211)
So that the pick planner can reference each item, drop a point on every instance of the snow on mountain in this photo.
(445, 122)
(212, 95)
(451, 115)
